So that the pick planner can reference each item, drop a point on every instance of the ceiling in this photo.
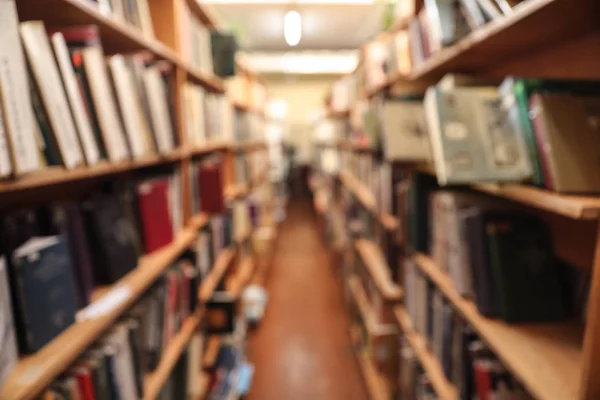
(331, 25)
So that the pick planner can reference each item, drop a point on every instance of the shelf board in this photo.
(35, 372)
(210, 282)
(376, 385)
(155, 380)
(337, 114)
(444, 389)
(378, 269)
(237, 283)
(58, 175)
(546, 358)
(212, 351)
(236, 191)
(366, 311)
(366, 197)
(211, 82)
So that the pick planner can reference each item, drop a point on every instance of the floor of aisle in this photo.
(302, 349)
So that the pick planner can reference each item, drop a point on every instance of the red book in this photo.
(153, 199)
(482, 379)
(84, 381)
(539, 128)
(210, 182)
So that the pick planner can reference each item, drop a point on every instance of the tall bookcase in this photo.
(34, 373)
(552, 360)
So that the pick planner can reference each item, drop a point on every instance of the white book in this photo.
(125, 90)
(5, 164)
(104, 103)
(190, 126)
(123, 363)
(194, 366)
(45, 72)
(82, 121)
(145, 18)
(159, 110)
(8, 343)
(104, 6)
(15, 95)
(200, 116)
(404, 131)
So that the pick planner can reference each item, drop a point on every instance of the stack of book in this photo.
(116, 365)
(209, 116)
(75, 106)
(464, 359)
(133, 12)
(442, 23)
(58, 253)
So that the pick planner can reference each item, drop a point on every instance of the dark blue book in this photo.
(45, 289)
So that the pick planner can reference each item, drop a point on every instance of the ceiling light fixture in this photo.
(292, 27)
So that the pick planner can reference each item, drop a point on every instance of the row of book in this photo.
(521, 131)
(209, 116)
(465, 360)
(133, 12)
(77, 107)
(58, 253)
(503, 258)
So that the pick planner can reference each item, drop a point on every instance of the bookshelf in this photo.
(378, 269)
(34, 373)
(547, 357)
(366, 312)
(245, 271)
(376, 386)
(444, 389)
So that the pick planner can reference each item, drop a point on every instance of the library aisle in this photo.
(302, 348)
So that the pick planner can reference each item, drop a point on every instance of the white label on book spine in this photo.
(86, 135)
(14, 92)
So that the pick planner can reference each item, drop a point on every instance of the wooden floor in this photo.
(302, 349)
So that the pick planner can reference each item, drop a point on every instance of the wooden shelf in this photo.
(444, 389)
(237, 283)
(366, 197)
(546, 358)
(210, 282)
(35, 372)
(250, 146)
(376, 385)
(57, 175)
(378, 269)
(572, 206)
(212, 351)
(366, 311)
(337, 114)
(578, 207)
(155, 381)
(236, 191)
(117, 36)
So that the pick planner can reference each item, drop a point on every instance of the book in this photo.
(155, 213)
(113, 253)
(159, 112)
(86, 39)
(45, 287)
(555, 116)
(130, 106)
(524, 269)
(473, 13)
(490, 9)
(446, 22)
(472, 138)
(48, 81)
(224, 47)
(76, 101)
(15, 100)
(404, 131)
(210, 182)
(8, 342)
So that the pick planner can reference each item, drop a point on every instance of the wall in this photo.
(303, 94)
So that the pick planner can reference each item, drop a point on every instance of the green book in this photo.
(525, 272)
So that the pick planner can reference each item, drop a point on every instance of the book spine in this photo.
(543, 147)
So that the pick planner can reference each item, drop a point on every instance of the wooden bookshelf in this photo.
(341, 114)
(155, 381)
(35, 372)
(365, 310)
(219, 269)
(378, 269)
(546, 358)
(376, 385)
(366, 197)
(211, 353)
(444, 389)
